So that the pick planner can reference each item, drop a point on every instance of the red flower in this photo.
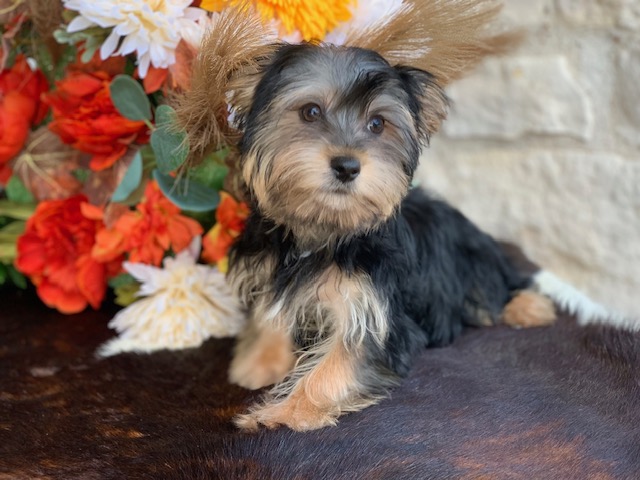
(55, 253)
(85, 117)
(14, 130)
(29, 84)
(20, 107)
(147, 232)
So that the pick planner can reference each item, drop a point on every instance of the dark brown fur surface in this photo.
(560, 403)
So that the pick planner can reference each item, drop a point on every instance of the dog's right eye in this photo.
(310, 112)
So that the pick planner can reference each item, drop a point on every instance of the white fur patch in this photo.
(577, 303)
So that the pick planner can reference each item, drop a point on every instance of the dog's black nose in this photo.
(345, 169)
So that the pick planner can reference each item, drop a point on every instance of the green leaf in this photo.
(122, 280)
(18, 279)
(15, 228)
(8, 240)
(170, 146)
(18, 211)
(90, 46)
(17, 192)
(61, 36)
(187, 194)
(43, 57)
(8, 252)
(129, 98)
(81, 174)
(126, 294)
(210, 173)
(130, 181)
(4, 274)
(60, 68)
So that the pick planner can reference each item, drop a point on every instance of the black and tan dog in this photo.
(346, 271)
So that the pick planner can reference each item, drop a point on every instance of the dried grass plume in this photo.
(446, 38)
(231, 49)
(46, 15)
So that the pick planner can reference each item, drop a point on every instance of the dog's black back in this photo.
(437, 271)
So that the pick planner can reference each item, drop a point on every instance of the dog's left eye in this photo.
(310, 112)
(376, 124)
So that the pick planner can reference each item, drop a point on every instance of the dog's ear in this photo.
(427, 100)
(243, 84)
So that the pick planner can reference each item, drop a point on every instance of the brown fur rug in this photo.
(551, 403)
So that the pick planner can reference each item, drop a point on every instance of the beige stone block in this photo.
(629, 15)
(600, 13)
(509, 98)
(527, 13)
(576, 213)
(628, 83)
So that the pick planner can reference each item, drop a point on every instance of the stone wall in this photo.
(542, 146)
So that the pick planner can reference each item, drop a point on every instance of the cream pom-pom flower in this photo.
(150, 28)
(184, 304)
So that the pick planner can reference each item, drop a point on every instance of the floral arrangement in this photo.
(95, 192)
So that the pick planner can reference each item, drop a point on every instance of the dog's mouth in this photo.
(342, 189)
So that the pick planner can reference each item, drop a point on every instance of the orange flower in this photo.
(313, 18)
(155, 79)
(20, 107)
(84, 116)
(148, 232)
(55, 253)
(231, 217)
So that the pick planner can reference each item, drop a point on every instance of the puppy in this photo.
(347, 272)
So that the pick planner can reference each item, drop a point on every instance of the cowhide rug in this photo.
(550, 403)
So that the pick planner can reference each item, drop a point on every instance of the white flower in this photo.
(185, 304)
(193, 30)
(150, 28)
(365, 14)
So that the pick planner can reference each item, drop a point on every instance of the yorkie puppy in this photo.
(347, 272)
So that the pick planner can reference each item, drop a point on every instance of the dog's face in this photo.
(332, 136)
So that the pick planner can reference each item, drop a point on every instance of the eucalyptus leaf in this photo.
(171, 147)
(130, 181)
(129, 98)
(17, 192)
(187, 194)
(90, 46)
(210, 173)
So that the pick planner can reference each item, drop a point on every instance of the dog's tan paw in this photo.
(295, 412)
(264, 363)
(529, 309)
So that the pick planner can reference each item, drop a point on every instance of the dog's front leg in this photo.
(333, 375)
(263, 356)
(324, 384)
